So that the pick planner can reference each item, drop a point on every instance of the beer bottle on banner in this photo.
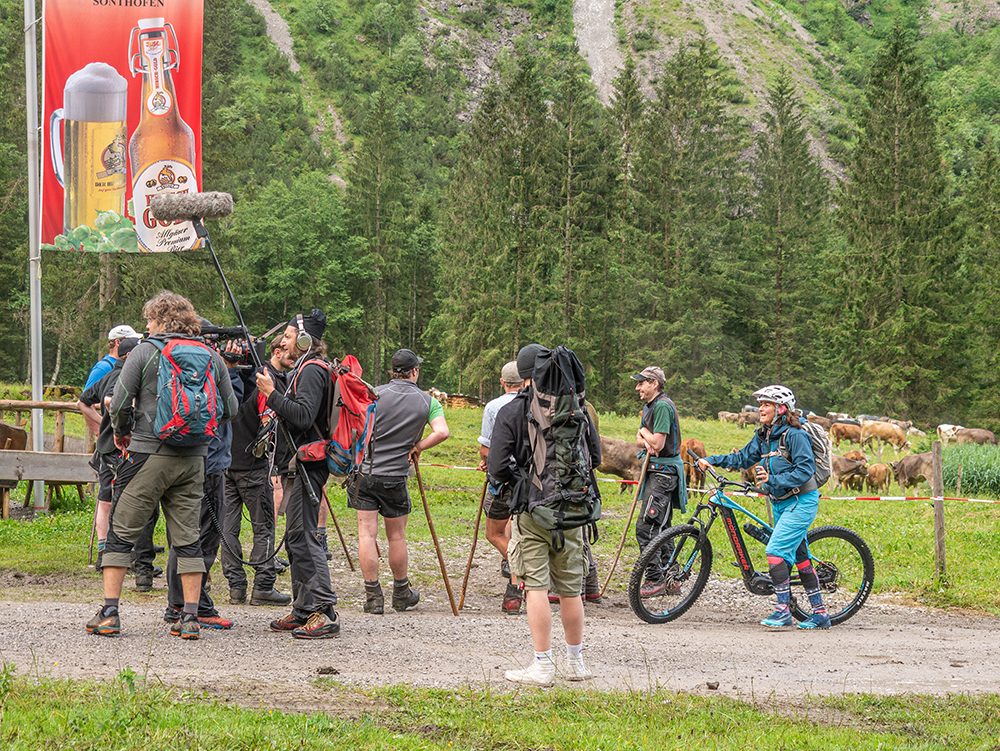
(161, 150)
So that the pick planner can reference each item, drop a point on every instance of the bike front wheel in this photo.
(688, 565)
(845, 569)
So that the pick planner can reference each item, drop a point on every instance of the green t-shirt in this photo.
(436, 410)
(663, 417)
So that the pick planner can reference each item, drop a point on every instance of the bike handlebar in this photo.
(746, 487)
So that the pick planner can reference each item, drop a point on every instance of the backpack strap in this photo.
(807, 487)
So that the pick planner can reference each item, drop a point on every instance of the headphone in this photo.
(302, 340)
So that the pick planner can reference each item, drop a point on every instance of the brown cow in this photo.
(620, 458)
(821, 421)
(911, 469)
(904, 425)
(692, 474)
(975, 435)
(879, 477)
(731, 417)
(858, 456)
(747, 418)
(885, 433)
(842, 469)
(841, 431)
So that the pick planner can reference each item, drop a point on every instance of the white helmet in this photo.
(776, 394)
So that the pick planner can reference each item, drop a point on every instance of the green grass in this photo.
(130, 713)
(900, 533)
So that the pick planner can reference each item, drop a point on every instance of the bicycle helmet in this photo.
(776, 394)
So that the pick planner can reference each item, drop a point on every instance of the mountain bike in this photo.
(842, 560)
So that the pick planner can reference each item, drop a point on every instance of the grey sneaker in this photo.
(375, 600)
(404, 597)
(269, 597)
(237, 595)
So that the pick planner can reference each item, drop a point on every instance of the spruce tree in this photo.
(791, 226)
(894, 331)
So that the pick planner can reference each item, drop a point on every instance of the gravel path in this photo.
(277, 31)
(595, 34)
(885, 649)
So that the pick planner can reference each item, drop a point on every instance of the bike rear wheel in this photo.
(845, 569)
(690, 563)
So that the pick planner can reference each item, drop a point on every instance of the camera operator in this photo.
(305, 409)
(248, 483)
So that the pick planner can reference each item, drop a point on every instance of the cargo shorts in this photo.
(534, 561)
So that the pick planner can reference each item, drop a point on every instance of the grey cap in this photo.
(526, 360)
(405, 360)
(509, 374)
(124, 331)
(652, 373)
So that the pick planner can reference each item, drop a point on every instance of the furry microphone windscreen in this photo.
(172, 207)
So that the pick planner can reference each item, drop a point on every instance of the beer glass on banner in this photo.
(161, 150)
(88, 157)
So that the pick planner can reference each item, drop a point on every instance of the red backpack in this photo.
(352, 418)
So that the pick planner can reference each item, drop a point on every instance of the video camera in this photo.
(217, 337)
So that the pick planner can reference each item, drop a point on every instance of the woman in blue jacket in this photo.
(786, 475)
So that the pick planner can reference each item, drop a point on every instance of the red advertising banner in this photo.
(121, 122)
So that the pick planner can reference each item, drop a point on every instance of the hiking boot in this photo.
(322, 541)
(269, 597)
(280, 565)
(318, 627)
(172, 614)
(592, 597)
(215, 621)
(144, 581)
(237, 595)
(404, 597)
(511, 600)
(186, 628)
(553, 598)
(157, 549)
(157, 571)
(505, 568)
(375, 600)
(105, 623)
(652, 589)
(778, 619)
(816, 620)
(576, 670)
(289, 623)
(538, 673)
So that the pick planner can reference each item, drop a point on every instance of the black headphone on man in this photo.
(303, 340)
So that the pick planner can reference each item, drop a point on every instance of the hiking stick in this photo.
(437, 545)
(635, 501)
(337, 527)
(475, 537)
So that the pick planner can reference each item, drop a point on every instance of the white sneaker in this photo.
(538, 673)
(576, 670)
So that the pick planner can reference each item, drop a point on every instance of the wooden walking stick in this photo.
(337, 527)
(437, 545)
(475, 537)
(635, 501)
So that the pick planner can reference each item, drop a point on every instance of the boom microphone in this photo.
(172, 207)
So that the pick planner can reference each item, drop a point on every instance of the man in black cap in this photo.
(403, 410)
(304, 408)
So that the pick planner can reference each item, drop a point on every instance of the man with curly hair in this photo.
(154, 471)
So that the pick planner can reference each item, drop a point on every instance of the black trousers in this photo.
(214, 488)
(251, 488)
(312, 591)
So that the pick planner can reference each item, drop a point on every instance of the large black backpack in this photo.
(559, 490)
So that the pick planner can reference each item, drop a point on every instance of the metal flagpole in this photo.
(34, 254)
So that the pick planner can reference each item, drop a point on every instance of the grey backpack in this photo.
(559, 490)
(821, 451)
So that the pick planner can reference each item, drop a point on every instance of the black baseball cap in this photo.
(405, 360)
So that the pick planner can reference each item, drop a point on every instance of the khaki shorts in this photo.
(533, 560)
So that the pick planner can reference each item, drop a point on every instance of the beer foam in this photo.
(151, 23)
(96, 93)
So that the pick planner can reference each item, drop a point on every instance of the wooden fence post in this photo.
(937, 491)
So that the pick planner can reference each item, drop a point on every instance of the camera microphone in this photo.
(172, 207)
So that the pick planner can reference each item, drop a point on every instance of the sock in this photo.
(191, 608)
(781, 580)
(320, 531)
(404, 582)
(545, 657)
(574, 650)
(111, 605)
(371, 585)
(811, 584)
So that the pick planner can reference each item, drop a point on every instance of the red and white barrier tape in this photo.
(825, 497)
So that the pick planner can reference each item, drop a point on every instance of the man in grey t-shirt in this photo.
(403, 411)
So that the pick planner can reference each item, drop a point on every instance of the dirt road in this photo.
(886, 649)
